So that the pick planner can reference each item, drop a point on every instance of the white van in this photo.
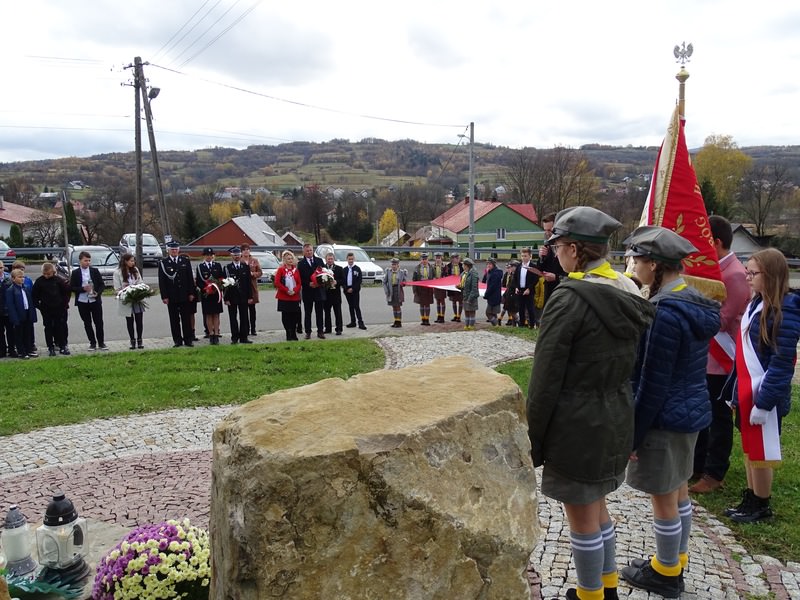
(370, 272)
(151, 250)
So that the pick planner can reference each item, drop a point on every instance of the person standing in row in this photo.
(423, 295)
(766, 353)
(670, 402)
(470, 293)
(493, 292)
(509, 294)
(7, 347)
(126, 275)
(526, 277)
(176, 284)
(333, 296)
(393, 281)
(51, 296)
(288, 285)
(21, 314)
(439, 295)
(579, 406)
(238, 297)
(208, 279)
(313, 293)
(28, 283)
(255, 275)
(713, 448)
(87, 285)
(352, 291)
(547, 262)
(454, 267)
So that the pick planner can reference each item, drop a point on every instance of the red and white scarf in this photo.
(761, 443)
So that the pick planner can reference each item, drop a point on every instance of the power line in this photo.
(306, 105)
(189, 20)
(209, 28)
(226, 30)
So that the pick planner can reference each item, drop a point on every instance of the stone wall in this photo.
(408, 484)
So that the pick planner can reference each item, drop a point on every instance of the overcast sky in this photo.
(528, 73)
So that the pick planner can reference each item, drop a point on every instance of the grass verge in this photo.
(778, 537)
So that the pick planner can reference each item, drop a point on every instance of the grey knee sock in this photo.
(668, 539)
(609, 547)
(587, 550)
(685, 513)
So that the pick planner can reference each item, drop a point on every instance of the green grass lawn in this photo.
(778, 537)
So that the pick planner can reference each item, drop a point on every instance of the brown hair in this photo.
(775, 277)
(123, 266)
(587, 252)
(18, 264)
(658, 275)
(48, 267)
(244, 247)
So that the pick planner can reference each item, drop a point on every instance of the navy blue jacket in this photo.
(493, 293)
(669, 380)
(778, 363)
(16, 307)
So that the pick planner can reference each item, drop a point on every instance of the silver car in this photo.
(7, 254)
(103, 258)
(151, 250)
(269, 264)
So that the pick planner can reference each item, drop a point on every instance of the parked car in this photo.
(370, 272)
(104, 258)
(7, 254)
(151, 250)
(269, 264)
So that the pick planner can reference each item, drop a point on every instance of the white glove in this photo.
(758, 416)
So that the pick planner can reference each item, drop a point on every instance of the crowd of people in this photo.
(647, 391)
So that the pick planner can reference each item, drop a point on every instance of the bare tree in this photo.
(44, 228)
(314, 210)
(762, 191)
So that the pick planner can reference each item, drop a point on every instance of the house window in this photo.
(501, 233)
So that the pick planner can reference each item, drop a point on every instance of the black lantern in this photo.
(62, 542)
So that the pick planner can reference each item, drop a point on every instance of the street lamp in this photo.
(471, 190)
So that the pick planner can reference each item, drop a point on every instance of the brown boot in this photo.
(705, 485)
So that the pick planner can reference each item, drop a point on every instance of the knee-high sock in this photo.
(685, 513)
(610, 575)
(588, 553)
(668, 539)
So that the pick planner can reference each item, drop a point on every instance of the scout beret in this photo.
(658, 243)
(585, 224)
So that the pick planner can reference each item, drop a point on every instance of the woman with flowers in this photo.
(208, 278)
(288, 285)
(125, 276)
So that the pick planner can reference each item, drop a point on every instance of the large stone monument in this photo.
(413, 484)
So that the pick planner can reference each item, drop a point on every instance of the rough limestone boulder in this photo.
(408, 484)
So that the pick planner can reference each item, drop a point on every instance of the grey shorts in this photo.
(569, 491)
(665, 462)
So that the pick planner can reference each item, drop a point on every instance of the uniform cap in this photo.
(468, 261)
(435, 254)
(424, 255)
(658, 243)
(395, 261)
(173, 244)
(208, 251)
(585, 224)
(235, 250)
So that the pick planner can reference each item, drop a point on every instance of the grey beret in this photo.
(658, 243)
(585, 224)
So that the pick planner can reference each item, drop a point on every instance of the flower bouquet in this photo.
(138, 293)
(213, 288)
(166, 560)
(324, 278)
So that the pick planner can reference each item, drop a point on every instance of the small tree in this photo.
(15, 239)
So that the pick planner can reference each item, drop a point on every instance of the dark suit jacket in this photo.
(356, 278)
(550, 264)
(306, 270)
(334, 296)
(176, 281)
(76, 285)
(242, 291)
(530, 279)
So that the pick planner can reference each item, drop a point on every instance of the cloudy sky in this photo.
(526, 72)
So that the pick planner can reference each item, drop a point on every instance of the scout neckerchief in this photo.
(603, 270)
(761, 443)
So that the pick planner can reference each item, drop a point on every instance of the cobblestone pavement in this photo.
(128, 471)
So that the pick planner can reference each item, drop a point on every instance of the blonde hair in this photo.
(286, 253)
(775, 280)
(17, 272)
(48, 268)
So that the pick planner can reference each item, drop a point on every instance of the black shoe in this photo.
(189, 345)
(639, 563)
(362, 326)
(139, 344)
(747, 495)
(102, 347)
(92, 347)
(338, 332)
(351, 325)
(64, 350)
(252, 333)
(299, 330)
(321, 335)
(234, 342)
(328, 331)
(51, 351)
(308, 336)
(133, 344)
(757, 509)
(647, 578)
(245, 341)
(177, 345)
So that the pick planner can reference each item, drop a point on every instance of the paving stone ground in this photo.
(127, 471)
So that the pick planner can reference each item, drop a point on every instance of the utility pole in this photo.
(471, 192)
(162, 207)
(138, 81)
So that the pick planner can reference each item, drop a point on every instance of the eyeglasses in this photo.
(751, 274)
(557, 246)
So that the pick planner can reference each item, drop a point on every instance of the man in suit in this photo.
(313, 294)
(352, 291)
(238, 297)
(176, 284)
(548, 262)
(333, 295)
(87, 284)
(526, 277)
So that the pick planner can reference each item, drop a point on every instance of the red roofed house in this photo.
(250, 229)
(23, 216)
(497, 225)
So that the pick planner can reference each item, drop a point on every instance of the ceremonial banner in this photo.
(446, 283)
(675, 202)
